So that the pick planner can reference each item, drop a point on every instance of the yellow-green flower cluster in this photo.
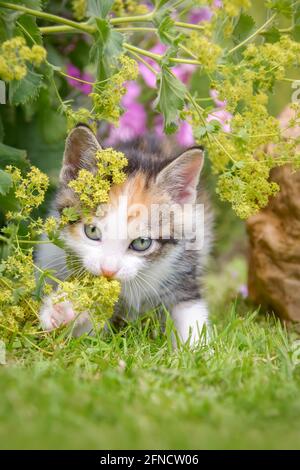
(242, 155)
(207, 52)
(79, 9)
(123, 7)
(93, 189)
(18, 306)
(233, 7)
(29, 190)
(82, 115)
(270, 61)
(106, 99)
(15, 55)
(96, 295)
(247, 187)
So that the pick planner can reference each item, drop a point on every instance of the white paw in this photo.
(55, 315)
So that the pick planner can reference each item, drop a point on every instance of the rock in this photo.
(274, 235)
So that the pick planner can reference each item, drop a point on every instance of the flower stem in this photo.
(132, 19)
(143, 61)
(158, 57)
(48, 17)
(249, 38)
(57, 29)
(138, 50)
(181, 24)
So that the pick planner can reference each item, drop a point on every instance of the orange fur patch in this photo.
(138, 194)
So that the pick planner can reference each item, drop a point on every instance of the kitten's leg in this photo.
(189, 319)
(54, 315)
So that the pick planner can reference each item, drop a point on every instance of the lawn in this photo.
(131, 390)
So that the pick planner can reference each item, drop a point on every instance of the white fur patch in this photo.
(189, 319)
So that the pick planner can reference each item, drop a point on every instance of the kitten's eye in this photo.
(92, 232)
(141, 244)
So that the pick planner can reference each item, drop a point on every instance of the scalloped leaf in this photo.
(243, 28)
(170, 99)
(27, 89)
(5, 182)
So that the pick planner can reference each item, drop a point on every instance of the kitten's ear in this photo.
(81, 146)
(180, 178)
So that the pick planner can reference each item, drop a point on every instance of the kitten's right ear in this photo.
(80, 149)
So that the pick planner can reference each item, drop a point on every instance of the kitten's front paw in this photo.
(55, 315)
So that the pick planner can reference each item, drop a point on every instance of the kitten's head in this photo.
(128, 236)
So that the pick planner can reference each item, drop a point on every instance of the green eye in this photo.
(92, 232)
(141, 244)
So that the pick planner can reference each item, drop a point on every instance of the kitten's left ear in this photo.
(180, 178)
(81, 146)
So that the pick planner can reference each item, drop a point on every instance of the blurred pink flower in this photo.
(218, 3)
(214, 95)
(223, 117)
(184, 135)
(132, 93)
(183, 72)
(200, 14)
(159, 126)
(147, 75)
(133, 122)
(73, 71)
(243, 291)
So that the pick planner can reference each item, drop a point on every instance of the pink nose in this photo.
(107, 273)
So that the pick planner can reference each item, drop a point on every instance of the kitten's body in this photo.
(168, 273)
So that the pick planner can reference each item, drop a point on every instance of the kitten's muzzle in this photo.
(108, 274)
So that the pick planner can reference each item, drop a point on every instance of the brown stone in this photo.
(274, 234)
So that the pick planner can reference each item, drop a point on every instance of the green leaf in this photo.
(21, 91)
(165, 28)
(29, 24)
(35, 4)
(170, 98)
(281, 6)
(296, 33)
(11, 155)
(99, 8)
(272, 35)
(5, 182)
(106, 49)
(243, 28)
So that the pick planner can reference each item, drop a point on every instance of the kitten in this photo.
(153, 269)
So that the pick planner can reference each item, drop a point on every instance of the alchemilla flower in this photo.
(15, 56)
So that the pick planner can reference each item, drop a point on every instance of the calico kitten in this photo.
(153, 269)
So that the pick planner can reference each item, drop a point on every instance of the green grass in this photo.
(131, 390)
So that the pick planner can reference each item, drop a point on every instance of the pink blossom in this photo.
(223, 117)
(73, 71)
(214, 94)
(133, 122)
(159, 126)
(147, 75)
(132, 93)
(184, 135)
(182, 71)
(243, 291)
(200, 14)
(218, 4)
